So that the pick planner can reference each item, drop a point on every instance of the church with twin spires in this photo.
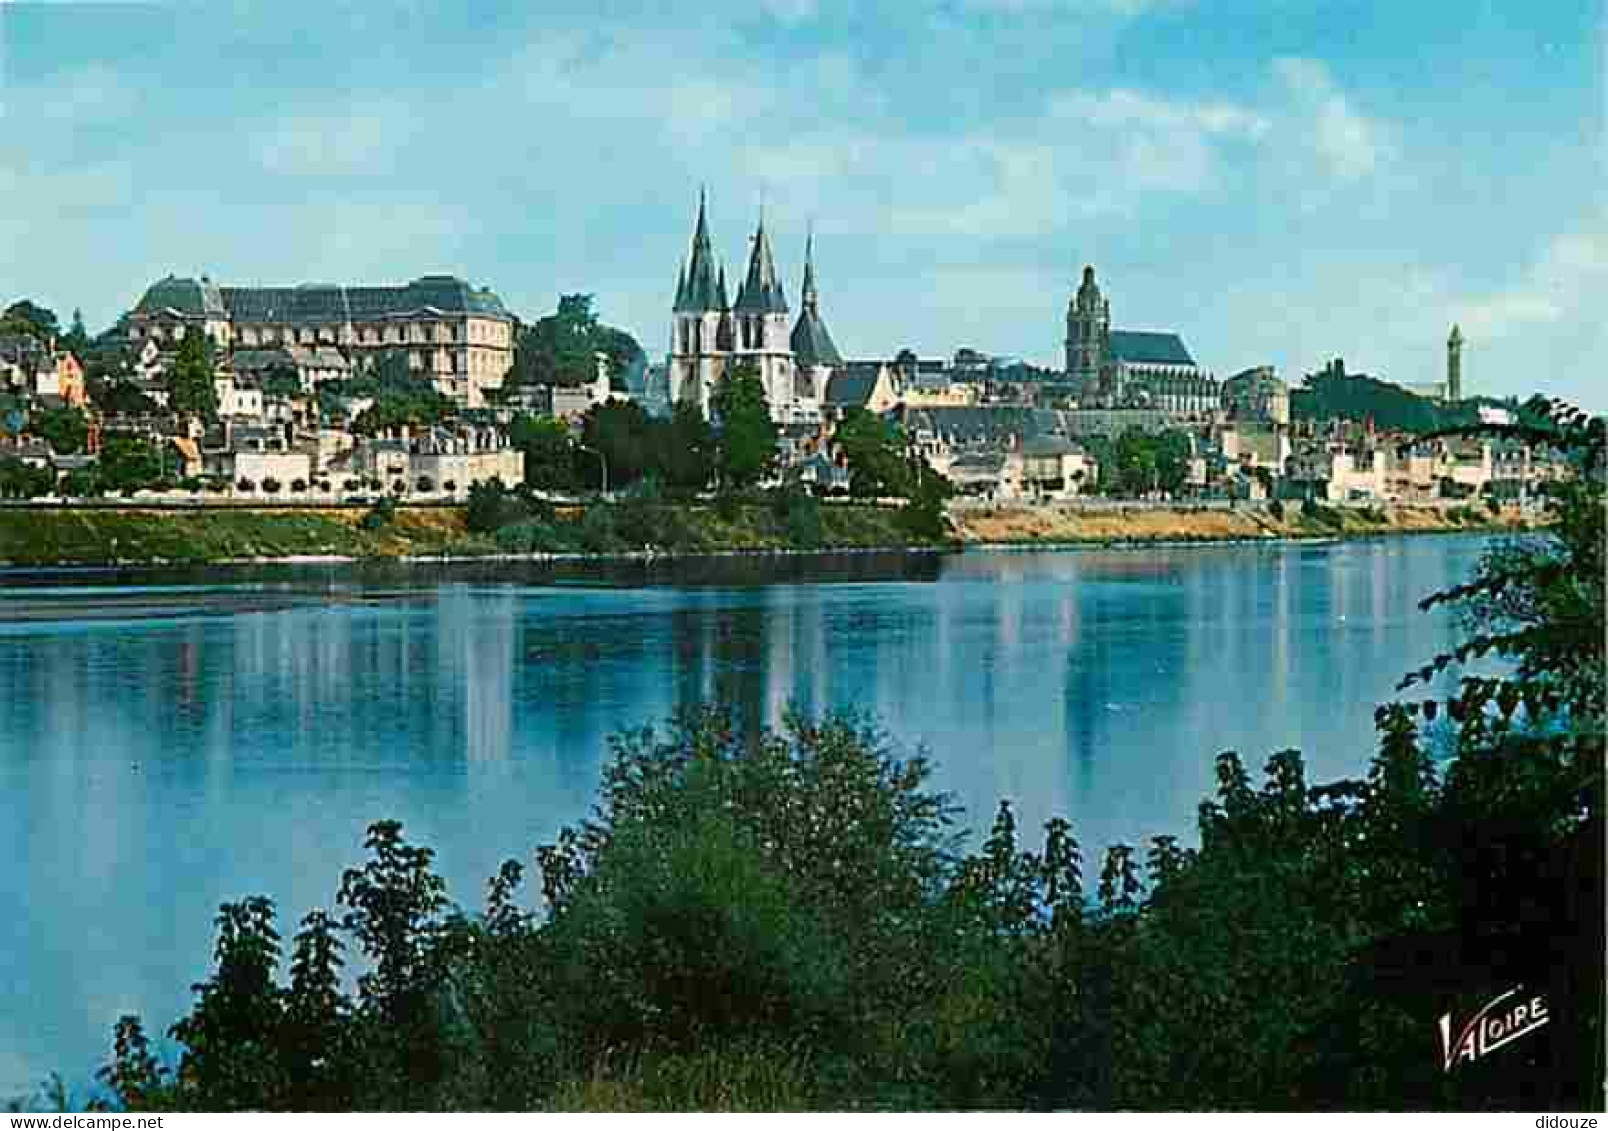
(709, 334)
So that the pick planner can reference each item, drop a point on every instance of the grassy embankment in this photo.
(1053, 525)
(88, 536)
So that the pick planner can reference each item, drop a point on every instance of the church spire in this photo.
(700, 291)
(810, 298)
(812, 344)
(761, 292)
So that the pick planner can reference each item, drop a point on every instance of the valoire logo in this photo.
(1503, 1020)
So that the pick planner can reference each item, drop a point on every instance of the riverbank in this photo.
(88, 536)
(81, 536)
(1007, 525)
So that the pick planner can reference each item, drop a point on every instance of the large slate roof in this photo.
(1147, 347)
(321, 302)
(984, 425)
(812, 344)
(851, 387)
(198, 298)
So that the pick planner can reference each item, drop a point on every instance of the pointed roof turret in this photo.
(700, 291)
(761, 292)
(1457, 335)
(812, 344)
(808, 294)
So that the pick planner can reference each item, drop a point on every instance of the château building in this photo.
(709, 334)
(1257, 395)
(459, 337)
(1131, 368)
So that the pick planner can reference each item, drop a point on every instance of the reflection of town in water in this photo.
(169, 762)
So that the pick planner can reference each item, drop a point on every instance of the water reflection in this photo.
(168, 747)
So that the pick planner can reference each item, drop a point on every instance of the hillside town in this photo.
(213, 393)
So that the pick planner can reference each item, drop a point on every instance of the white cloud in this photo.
(1350, 144)
(1127, 8)
(792, 11)
(1127, 109)
(359, 142)
(89, 95)
(1567, 280)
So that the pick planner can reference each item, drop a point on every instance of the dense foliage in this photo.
(745, 435)
(189, 379)
(790, 918)
(1334, 394)
(401, 396)
(874, 450)
(1137, 464)
(65, 429)
(28, 318)
(549, 452)
(562, 348)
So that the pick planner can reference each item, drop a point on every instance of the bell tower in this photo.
(1088, 331)
(1454, 365)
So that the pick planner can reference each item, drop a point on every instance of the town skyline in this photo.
(1319, 196)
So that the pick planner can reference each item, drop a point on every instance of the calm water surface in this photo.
(169, 745)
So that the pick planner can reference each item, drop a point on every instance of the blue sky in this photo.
(1280, 181)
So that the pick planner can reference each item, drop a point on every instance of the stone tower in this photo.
(1454, 365)
(1088, 332)
(700, 322)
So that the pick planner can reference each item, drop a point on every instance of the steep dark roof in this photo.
(811, 343)
(851, 387)
(1146, 347)
(761, 292)
(703, 285)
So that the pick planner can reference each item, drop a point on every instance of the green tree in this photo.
(65, 429)
(128, 463)
(27, 317)
(549, 451)
(562, 348)
(189, 379)
(875, 451)
(745, 436)
(19, 480)
(628, 438)
(688, 460)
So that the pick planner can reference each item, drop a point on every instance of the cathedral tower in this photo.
(700, 322)
(1454, 365)
(759, 318)
(1088, 332)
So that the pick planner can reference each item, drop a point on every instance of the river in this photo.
(170, 741)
